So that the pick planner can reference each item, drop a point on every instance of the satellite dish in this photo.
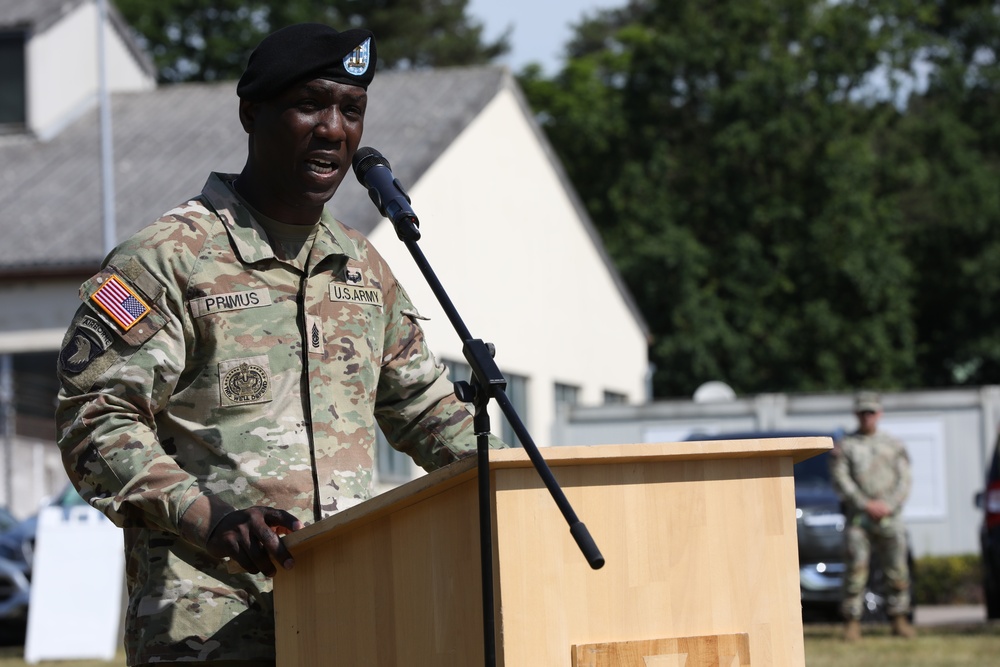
(714, 392)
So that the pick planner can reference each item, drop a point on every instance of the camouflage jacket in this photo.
(871, 467)
(203, 374)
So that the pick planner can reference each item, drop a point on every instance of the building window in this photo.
(395, 466)
(35, 389)
(12, 80)
(517, 392)
(458, 371)
(614, 398)
(566, 395)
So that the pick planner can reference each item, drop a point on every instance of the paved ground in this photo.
(949, 615)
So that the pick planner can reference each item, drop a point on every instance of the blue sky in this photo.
(541, 27)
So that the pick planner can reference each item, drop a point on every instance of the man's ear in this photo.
(248, 113)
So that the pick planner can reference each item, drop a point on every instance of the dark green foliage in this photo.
(790, 214)
(948, 580)
(209, 40)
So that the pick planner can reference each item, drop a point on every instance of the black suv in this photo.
(820, 527)
(989, 534)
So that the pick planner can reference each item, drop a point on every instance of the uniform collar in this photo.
(249, 237)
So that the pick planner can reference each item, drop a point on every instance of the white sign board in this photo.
(924, 441)
(76, 586)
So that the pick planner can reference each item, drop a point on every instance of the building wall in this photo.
(948, 435)
(62, 66)
(31, 473)
(34, 314)
(506, 242)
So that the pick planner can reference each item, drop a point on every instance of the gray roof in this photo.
(166, 142)
(36, 16)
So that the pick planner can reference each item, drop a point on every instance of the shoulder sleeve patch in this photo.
(123, 309)
(126, 299)
(89, 340)
(120, 302)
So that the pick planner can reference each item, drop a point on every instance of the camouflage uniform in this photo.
(203, 373)
(873, 467)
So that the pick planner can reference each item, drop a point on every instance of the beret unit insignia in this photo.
(356, 62)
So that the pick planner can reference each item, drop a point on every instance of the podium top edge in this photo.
(799, 448)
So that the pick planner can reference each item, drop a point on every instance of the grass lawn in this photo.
(946, 646)
(951, 646)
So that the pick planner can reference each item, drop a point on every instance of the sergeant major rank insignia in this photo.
(314, 331)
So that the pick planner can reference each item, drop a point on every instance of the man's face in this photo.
(868, 421)
(302, 145)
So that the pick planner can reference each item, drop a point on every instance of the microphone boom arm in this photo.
(386, 192)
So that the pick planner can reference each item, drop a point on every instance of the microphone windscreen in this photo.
(365, 159)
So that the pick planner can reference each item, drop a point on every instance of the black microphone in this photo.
(385, 190)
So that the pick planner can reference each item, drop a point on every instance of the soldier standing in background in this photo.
(871, 471)
(222, 380)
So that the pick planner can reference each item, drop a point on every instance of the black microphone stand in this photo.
(488, 382)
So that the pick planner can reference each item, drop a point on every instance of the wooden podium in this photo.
(699, 539)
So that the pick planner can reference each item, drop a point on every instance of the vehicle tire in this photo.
(991, 596)
(13, 631)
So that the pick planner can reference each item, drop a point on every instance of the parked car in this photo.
(988, 500)
(7, 520)
(17, 549)
(820, 527)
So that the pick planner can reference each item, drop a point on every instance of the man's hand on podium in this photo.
(250, 540)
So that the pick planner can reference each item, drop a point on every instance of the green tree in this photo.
(208, 40)
(734, 155)
(950, 140)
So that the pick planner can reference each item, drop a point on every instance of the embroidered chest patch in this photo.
(217, 303)
(245, 381)
(368, 296)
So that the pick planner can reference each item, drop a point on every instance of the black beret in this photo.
(307, 51)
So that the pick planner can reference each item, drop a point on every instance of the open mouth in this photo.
(319, 166)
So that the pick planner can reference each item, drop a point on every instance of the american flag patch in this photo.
(119, 301)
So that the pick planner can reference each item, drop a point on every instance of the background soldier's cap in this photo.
(867, 401)
(307, 51)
